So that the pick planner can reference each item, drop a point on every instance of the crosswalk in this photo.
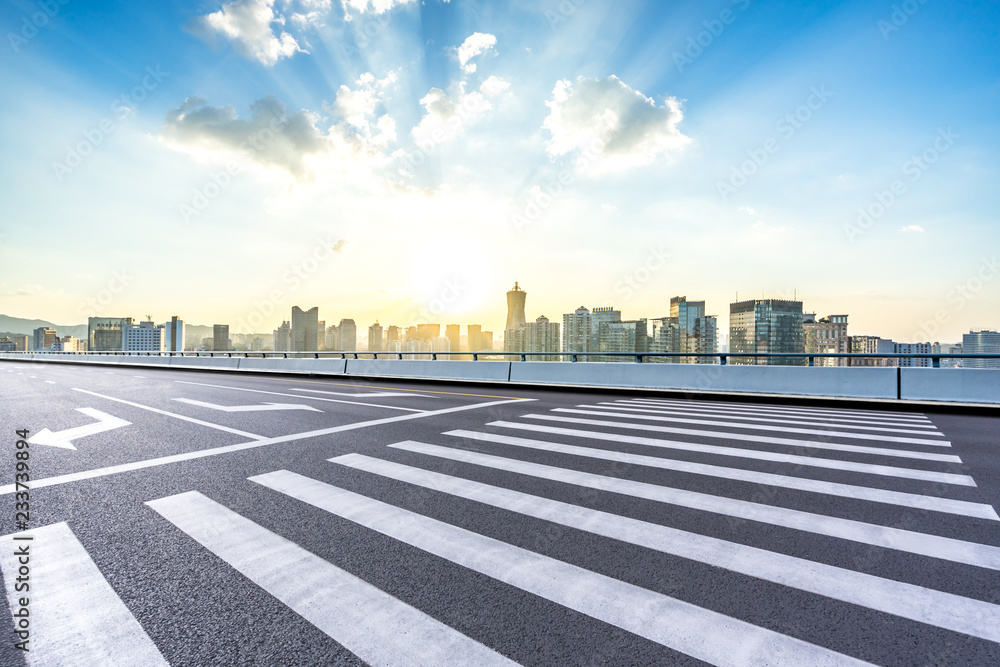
(768, 468)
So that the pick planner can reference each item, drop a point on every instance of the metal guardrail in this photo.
(724, 358)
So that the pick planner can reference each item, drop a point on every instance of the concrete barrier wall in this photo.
(495, 371)
(912, 384)
(965, 385)
(817, 381)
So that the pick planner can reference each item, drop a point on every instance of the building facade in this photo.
(348, 335)
(576, 331)
(104, 334)
(44, 338)
(628, 336)
(305, 329)
(981, 342)
(540, 336)
(375, 338)
(826, 335)
(220, 338)
(515, 307)
(766, 325)
(173, 332)
(283, 337)
(143, 337)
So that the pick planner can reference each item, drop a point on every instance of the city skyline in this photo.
(389, 158)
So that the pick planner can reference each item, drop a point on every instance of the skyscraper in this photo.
(827, 334)
(538, 336)
(145, 337)
(697, 332)
(766, 325)
(173, 332)
(630, 336)
(576, 331)
(305, 329)
(981, 342)
(283, 337)
(515, 307)
(104, 334)
(375, 338)
(597, 316)
(475, 341)
(220, 338)
(453, 333)
(45, 338)
(348, 335)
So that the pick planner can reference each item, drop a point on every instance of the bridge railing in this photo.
(719, 358)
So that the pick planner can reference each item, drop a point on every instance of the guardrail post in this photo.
(638, 358)
(812, 360)
(434, 356)
(936, 362)
(523, 357)
(723, 358)
(475, 356)
(572, 358)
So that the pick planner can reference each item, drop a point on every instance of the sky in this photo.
(408, 161)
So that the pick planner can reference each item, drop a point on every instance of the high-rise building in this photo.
(453, 333)
(44, 338)
(541, 336)
(576, 331)
(665, 339)
(426, 332)
(475, 337)
(597, 317)
(630, 336)
(321, 335)
(173, 332)
(348, 335)
(7, 345)
(515, 307)
(145, 337)
(486, 341)
(305, 329)
(913, 348)
(981, 342)
(21, 342)
(766, 325)
(871, 345)
(220, 338)
(104, 334)
(393, 334)
(696, 332)
(283, 337)
(69, 344)
(375, 338)
(826, 335)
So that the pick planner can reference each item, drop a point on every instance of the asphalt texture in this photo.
(197, 608)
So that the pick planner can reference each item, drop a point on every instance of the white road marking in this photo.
(756, 427)
(913, 500)
(266, 407)
(930, 429)
(49, 382)
(777, 457)
(76, 617)
(749, 411)
(33, 377)
(791, 409)
(380, 394)
(681, 626)
(917, 603)
(375, 626)
(65, 438)
(239, 447)
(139, 377)
(312, 398)
(748, 437)
(191, 420)
(924, 544)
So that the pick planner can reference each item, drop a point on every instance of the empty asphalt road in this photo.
(189, 518)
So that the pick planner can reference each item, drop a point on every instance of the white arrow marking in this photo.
(248, 408)
(394, 394)
(64, 439)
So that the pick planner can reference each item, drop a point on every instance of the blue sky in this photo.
(409, 160)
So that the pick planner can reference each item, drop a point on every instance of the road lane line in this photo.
(49, 382)
(76, 617)
(917, 603)
(756, 427)
(929, 429)
(226, 449)
(375, 626)
(218, 427)
(923, 544)
(912, 500)
(791, 409)
(681, 626)
(746, 437)
(373, 386)
(312, 398)
(777, 457)
(379, 394)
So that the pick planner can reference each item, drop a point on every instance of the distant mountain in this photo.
(19, 325)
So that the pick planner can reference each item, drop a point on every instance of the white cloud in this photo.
(748, 210)
(623, 127)
(358, 106)
(371, 6)
(247, 24)
(270, 136)
(446, 116)
(493, 86)
(475, 44)
(912, 228)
